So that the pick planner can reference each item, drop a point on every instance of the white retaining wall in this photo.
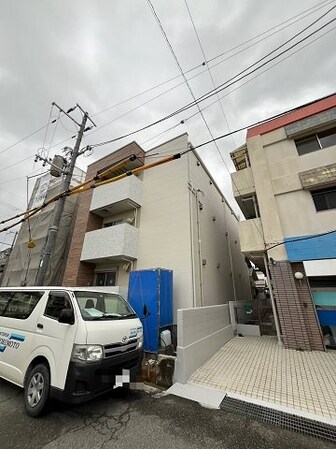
(201, 332)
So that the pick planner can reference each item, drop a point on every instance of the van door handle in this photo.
(40, 326)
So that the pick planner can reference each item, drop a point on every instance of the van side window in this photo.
(19, 304)
(56, 302)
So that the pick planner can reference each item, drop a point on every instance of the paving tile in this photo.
(260, 368)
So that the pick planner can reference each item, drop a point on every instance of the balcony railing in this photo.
(117, 197)
(251, 236)
(112, 243)
(242, 183)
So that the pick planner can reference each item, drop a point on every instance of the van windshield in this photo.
(103, 306)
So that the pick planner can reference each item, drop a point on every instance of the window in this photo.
(56, 302)
(113, 223)
(250, 207)
(324, 199)
(316, 142)
(107, 279)
(99, 305)
(19, 304)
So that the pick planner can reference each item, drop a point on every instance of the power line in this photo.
(246, 82)
(308, 237)
(24, 138)
(297, 18)
(234, 90)
(294, 19)
(226, 83)
(15, 163)
(207, 65)
(204, 71)
(223, 86)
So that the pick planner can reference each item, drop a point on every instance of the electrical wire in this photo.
(200, 73)
(229, 83)
(207, 65)
(308, 237)
(192, 94)
(318, 6)
(294, 19)
(172, 157)
(182, 122)
(290, 21)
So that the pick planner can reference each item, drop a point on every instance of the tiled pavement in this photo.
(257, 367)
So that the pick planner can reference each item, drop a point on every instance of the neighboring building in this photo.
(172, 216)
(285, 184)
(4, 257)
(24, 262)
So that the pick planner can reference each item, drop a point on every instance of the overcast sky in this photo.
(99, 53)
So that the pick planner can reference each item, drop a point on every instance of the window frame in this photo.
(105, 273)
(324, 191)
(57, 292)
(317, 136)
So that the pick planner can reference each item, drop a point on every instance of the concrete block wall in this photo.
(201, 332)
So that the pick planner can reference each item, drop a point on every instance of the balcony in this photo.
(242, 183)
(117, 197)
(251, 236)
(110, 244)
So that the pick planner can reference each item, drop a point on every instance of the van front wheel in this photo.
(36, 390)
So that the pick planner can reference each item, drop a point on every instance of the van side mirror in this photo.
(66, 316)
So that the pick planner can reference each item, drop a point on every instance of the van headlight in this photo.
(140, 343)
(87, 353)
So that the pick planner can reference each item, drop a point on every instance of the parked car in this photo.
(70, 344)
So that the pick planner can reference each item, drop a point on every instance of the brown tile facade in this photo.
(79, 273)
(299, 327)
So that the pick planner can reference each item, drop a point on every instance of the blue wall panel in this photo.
(151, 291)
(327, 317)
(322, 247)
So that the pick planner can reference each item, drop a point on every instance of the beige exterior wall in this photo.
(220, 248)
(164, 224)
(295, 206)
(287, 210)
(175, 234)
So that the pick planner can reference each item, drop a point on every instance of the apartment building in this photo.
(24, 261)
(172, 216)
(285, 184)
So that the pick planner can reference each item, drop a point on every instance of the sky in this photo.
(103, 53)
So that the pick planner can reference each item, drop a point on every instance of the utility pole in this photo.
(53, 229)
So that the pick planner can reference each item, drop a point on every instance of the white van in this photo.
(66, 343)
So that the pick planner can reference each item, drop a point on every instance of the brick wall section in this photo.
(308, 309)
(295, 307)
(79, 273)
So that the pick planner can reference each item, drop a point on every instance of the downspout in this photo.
(192, 246)
(199, 247)
(231, 265)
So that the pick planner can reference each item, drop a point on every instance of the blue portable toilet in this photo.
(150, 293)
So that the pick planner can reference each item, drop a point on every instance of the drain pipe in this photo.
(276, 319)
(231, 265)
(199, 245)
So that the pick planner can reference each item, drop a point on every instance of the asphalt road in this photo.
(137, 419)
